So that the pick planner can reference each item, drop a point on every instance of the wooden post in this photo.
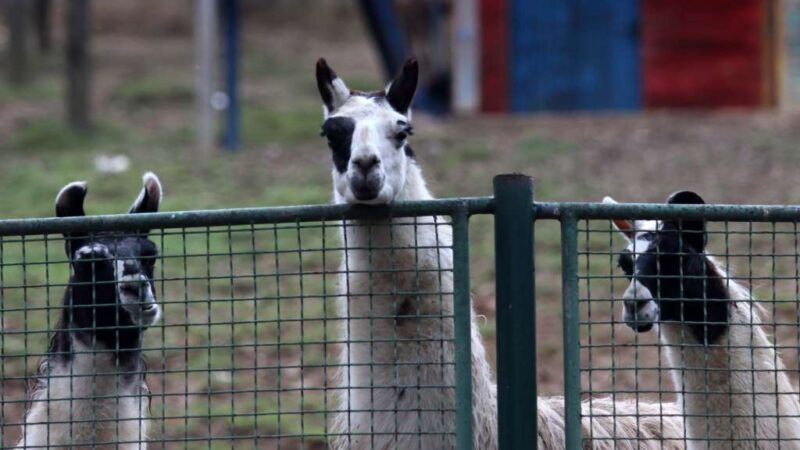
(205, 53)
(17, 17)
(790, 54)
(466, 84)
(42, 16)
(78, 64)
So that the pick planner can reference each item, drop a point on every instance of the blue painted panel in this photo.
(574, 55)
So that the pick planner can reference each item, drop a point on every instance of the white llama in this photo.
(91, 390)
(396, 376)
(732, 385)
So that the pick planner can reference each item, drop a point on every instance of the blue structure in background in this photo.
(574, 55)
(383, 25)
(388, 35)
(231, 16)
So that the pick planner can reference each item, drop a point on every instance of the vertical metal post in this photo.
(205, 53)
(232, 38)
(516, 314)
(78, 64)
(572, 368)
(17, 17)
(461, 298)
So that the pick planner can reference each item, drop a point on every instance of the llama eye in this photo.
(406, 131)
(625, 262)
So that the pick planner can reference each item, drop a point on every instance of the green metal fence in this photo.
(246, 351)
(720, 402)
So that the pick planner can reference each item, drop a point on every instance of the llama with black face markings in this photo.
(395, 382)
(395, 385)
(732, 385)
(91, 389)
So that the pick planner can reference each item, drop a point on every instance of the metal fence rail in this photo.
(246, 352)
(756, 247)
(247, 348)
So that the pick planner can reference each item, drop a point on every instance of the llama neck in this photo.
(397, 302)
(397, 233)
(415, 187)
(739, 375)
(105, 330)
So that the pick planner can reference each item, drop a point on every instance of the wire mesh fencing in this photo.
(275, 332)
(687, 328)
(255, 316)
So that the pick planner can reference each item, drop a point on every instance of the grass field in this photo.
(143, 109)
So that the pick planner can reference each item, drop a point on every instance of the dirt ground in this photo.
(143, 106)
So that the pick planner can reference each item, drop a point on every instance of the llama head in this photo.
(671, 278)
(368, 134)
(112, 269)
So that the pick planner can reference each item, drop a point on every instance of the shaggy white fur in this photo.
(396, 368)
(64, 410)
(397, 377)
(622, 424)
(402, 368)
(735, 394)
(91, 389)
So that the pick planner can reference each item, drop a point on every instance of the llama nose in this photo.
(130, 267)
(367, 163)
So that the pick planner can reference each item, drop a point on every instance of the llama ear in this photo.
(332, 89)
(150, 197)
(624, 226)
(402, 89)
(693, 232)
(69, 203)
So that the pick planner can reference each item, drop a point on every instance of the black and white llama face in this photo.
(113, 268)
(367, 133)
(671, 278)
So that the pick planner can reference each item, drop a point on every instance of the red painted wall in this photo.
(703, 53)
(494, 24)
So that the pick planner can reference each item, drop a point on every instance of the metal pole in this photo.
(78, 64)
(463, 331)
(17, 17)
(205, 53)
(232, 39)
(516, 314)
(572, 368)
(385, 30)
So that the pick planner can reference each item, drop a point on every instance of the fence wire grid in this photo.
(717, 365)
(247, 348)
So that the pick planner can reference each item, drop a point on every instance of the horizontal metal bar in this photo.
(447, 206)
(651, 211)
(243, 216)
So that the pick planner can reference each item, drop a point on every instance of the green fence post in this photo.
(461, 297)
(572, 369)
(516, 320)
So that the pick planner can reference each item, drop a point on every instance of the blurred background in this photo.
(629, 98)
